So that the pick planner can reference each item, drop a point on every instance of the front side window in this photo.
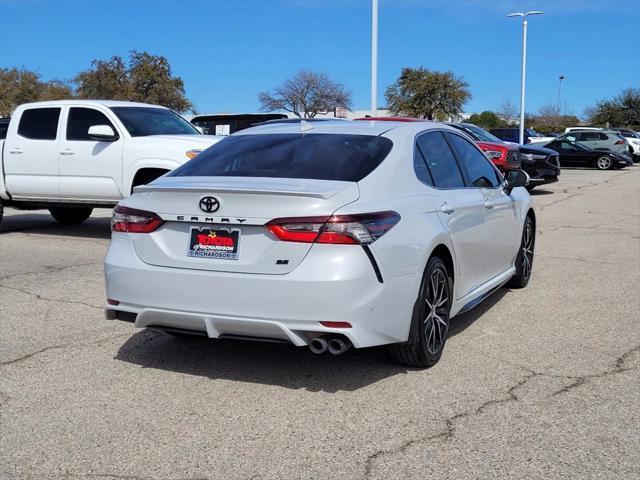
(145, 121)
(441, 163)
(79, 121)
(340, 157)
(39, 123)
(480, 172)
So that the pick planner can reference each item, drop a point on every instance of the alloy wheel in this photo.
(527, 250)
(604, 162)
(436, 322)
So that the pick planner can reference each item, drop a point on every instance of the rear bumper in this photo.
(333, 283)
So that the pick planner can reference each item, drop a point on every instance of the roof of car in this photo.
(372, 127)
(106, 103)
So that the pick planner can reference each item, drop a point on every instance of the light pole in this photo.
(560, 78)
(524, 16)
(374, 57)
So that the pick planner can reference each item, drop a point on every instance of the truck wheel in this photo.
(70, 216)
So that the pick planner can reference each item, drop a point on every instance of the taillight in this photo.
(360, 229)
(132, 220)
(620, 142)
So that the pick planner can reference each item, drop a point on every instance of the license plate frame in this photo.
(218, 243)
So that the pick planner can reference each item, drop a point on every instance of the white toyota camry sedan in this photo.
(325, 234)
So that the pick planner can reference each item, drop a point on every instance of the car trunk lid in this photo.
(234, 226)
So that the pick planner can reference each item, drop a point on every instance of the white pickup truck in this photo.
(71, 156)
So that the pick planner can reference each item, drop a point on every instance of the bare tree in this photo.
(306, 94)
(507, 110)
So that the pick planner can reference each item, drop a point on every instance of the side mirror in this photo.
(102, 133)
(515, 178)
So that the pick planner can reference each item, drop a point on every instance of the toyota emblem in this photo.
(209, 204)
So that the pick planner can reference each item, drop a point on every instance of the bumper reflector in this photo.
(336, 324)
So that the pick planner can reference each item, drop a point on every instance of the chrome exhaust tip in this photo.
(318, 345)
(338, 345)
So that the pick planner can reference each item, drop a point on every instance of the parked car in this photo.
(4, 125)
(228, 123)
(573, 129)
(541, 164)
(71, 156)
(633, 139)
(342, 234)
(599, 140)
(513, 135)
(505, 156)
(577, 154)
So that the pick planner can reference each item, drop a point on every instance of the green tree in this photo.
(487, 120)
(146, 78)
(306, 94)
(105, 80)
(424, 93)
(23, 86)
(620, 111)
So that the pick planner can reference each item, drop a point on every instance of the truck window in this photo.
(80, 119)
(39, 123)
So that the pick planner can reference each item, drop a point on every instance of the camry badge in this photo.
(209, 204)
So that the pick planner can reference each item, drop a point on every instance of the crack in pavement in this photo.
(47, 299)
(59, 347)
(581, 187)
(584, 379)
(49, 269)
(619, 367)
(582, 260)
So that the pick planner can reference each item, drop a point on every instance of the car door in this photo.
(89, 169)
(460, 209)
(500, 234)
(569, 153)
(31, 154)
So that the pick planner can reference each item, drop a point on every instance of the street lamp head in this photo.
(525, 14)
(561, 77)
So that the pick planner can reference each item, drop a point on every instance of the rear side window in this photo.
(296, 155)
(39, 123)
(79, 121)
(441, 163)
(480, 172)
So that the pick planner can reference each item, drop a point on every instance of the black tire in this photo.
(604, 162)
(428, 336)
(524, 259)
(70, 216)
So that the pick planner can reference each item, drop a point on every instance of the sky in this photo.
(227, 51)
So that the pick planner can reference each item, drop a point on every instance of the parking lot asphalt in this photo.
(536, 383)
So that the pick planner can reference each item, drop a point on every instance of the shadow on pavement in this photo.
(540, 191)
(271, 363)
(41, 223)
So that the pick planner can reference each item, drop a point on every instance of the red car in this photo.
(504, 156)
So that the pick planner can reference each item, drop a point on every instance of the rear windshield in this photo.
(297, 155)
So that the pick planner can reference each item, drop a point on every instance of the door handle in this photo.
(67, 152)
(16, 151)
(446, 208)
(488, 204)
